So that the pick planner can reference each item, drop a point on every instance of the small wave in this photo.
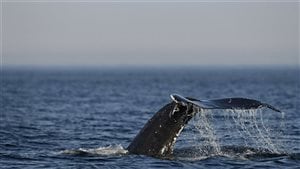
(111, 150)
(240, 152)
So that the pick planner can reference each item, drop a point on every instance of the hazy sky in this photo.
(146, 33)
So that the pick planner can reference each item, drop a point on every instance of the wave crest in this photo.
(101, 151)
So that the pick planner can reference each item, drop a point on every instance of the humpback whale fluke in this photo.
(226, 103)
(159, 134)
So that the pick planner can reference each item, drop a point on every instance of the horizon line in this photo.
(145, 66)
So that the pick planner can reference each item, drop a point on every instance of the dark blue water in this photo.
(85, 118)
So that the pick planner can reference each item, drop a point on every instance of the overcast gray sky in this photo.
(147, 33)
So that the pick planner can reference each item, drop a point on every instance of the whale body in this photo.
(158, 137)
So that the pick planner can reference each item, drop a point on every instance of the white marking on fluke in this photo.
(179, 99)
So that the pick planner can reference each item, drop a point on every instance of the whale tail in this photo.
(158, 136)
(226, 103)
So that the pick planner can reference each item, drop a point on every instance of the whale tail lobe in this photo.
(226, 103)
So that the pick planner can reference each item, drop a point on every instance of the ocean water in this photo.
(85, 118)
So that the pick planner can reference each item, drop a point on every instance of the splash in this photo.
(206, 129)
(253, 127)
(245, 130)
(111, 150)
